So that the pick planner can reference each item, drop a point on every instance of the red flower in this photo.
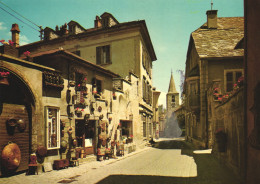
(2, 41)
(85, 78)
(78, 85)
(4, 74)
(11, 42)
(219, 98)
(82, 110)
(27, 53)
(240, 79)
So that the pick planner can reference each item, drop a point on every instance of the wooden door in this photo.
(20, 135)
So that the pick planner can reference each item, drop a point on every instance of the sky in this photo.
(169, 22)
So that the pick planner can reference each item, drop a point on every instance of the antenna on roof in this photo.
(211, 4)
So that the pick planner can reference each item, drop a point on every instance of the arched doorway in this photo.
(16, 105)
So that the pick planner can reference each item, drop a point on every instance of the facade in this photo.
(81, 91)
(22, 109)
(252, 40)
(214, 57)
(119, 47)
(156, 115)
(162, 120)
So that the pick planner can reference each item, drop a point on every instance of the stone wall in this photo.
(226, 118)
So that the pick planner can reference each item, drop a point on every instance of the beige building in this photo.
(68, 106)
(119, 47)
(215, 55)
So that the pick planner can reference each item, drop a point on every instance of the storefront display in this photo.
(53, 127)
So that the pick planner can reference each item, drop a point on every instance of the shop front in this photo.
(16, 106)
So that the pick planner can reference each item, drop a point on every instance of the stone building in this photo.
(162, 120)
(120, 47)
(156, 115)
(172, 103)
(21, 109)
(65, 106)
(215, 55)
(172, 97)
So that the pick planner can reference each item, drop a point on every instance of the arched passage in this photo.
(17, 103)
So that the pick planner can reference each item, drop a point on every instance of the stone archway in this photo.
(17, 106)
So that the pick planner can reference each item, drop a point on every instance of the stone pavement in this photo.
(207, 169)
(56, 176)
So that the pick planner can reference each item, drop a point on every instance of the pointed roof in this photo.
(172, 88)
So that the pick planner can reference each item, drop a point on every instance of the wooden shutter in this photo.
(98, 55)
(107, 50)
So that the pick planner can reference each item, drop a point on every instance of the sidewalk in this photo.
(56, 176)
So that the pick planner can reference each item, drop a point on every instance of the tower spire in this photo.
(211, 4)
(172, 88)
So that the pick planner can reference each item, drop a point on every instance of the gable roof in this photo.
(141, 24)
(220, 42)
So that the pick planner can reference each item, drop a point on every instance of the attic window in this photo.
(105, 22)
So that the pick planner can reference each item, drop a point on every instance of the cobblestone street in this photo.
(171, 161)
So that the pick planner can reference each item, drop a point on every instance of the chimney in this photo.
(98, 22)
(212, 19)
(15, 34)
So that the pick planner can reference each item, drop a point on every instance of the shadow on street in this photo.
(209, 170)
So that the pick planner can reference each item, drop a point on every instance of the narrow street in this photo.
(167, 162)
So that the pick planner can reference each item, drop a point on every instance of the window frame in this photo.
(47, 123)
(233, 71)
(103, 55)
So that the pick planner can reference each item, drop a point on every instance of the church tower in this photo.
(172, 97)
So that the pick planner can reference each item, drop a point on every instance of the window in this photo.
(173, 98)
(53, 127)
(144, 129)
(231, 77)
(97, 85)
(103, 54)
(144, 90)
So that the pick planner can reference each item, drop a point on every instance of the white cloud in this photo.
(2, 27)
(23, 40)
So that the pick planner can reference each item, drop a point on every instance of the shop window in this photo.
(103, 55)
(53, 127)
(127, 130)
(231, 77)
